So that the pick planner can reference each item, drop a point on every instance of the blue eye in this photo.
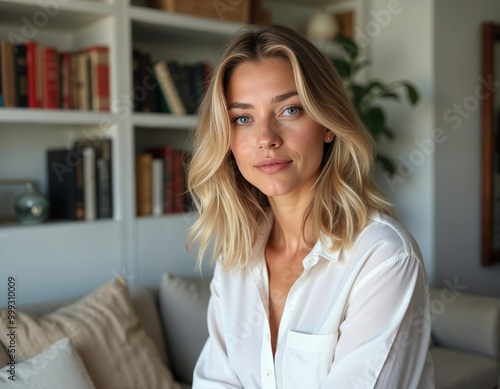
(291, 111)
(241, 120)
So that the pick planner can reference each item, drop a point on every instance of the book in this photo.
(179, 181)
(50, 77)
(166, 153)
(157, 187)
(98, 77)
(21, 75)
(62, 189)
(143, 184)
(89, 182)
(183, 85)
(82, 84)
(65, 81)
(8, 74)
(104, 180)
(168, 88)
(34, 92)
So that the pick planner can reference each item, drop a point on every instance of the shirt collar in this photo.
(320, 249)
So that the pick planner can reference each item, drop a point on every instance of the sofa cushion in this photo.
(463, 370)
(183, 308)
(466, 322)
(105, 332)
(57, 367)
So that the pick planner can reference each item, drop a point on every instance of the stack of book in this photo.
(167, 86)
(37, 76)
(80, 181)
(160, 181)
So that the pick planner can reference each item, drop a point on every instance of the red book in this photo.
(65, 65)
(179, 181)
(50, 77)
(34, 93)
(99, 77)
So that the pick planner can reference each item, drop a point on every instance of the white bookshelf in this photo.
(64, 258)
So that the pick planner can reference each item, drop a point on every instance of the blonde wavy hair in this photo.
(230, 208)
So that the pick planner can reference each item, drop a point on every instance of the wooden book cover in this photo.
(168, 88)
(8, 74)
(21, 75)
(50, 77)
(143, 184)
(99, 77)
(34, 92)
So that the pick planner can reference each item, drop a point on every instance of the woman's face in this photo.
(277, 146)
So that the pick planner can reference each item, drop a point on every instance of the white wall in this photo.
(458, 160)
(399, 36)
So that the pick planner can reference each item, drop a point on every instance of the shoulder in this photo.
(384, 240)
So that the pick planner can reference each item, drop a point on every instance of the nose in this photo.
(268, 136)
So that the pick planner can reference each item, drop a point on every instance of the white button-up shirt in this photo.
(358, 317)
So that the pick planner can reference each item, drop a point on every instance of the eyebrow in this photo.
(274, 100)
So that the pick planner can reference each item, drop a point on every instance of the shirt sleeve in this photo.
(212, 370)
(384, 338)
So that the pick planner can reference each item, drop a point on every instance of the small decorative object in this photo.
(366, 96)
(31, 207)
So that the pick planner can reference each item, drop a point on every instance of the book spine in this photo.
(89, 183)
(8, 75)
(21, 75)
(179, 181)
(168, 88)
(62, 184)
(82, 81)
(104, 180)
(50, 77)
(31, 75)
(143, 181)
(99, 77)
(158, 187)
(66, 82)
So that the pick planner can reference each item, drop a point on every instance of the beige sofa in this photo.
(466, 331)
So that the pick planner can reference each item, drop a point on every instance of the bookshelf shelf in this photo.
(146, 20)
(163, 121)
(56, 117)
(58, 16)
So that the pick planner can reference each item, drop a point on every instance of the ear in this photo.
(329, 136)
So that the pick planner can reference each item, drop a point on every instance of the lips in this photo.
(273, 165)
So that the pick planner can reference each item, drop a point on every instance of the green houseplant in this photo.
(368, 95)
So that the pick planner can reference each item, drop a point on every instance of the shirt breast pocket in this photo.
(307, 359)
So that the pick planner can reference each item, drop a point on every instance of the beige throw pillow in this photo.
(57, 367)
(105, 332)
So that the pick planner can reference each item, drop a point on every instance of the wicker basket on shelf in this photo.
(224, 10)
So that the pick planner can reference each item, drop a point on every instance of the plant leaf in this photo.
(386, 164)
(349, 46)
(358, 92)
(391, 95)
(342, 66)
(388, 133)
(374, 121)
(360, 65)
(411, 92)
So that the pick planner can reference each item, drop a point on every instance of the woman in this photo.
(315, 285)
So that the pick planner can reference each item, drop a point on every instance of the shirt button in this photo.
(269, 373)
